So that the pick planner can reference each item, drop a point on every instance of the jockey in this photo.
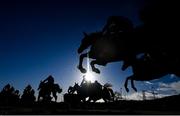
(116, 25)
(28, 89)
(98, 85)
(7, 87)
(50, 81)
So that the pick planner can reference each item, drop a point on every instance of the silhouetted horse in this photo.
(159, 23)
(28, 96)
(45, 91)
(9, 95)
(106, 49)
(118, 48)
(56, 89)
(146, 69)
(93, 93)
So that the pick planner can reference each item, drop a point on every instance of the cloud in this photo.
(172, 75)
(173, 87)
(163, 85)
(162, 90)
(134, 96)
(147, 82)
(148, 95)
(176, 86)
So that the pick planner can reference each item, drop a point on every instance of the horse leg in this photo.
(39, 97)
(104, 97)
(93, 67)
(84, 100)
(132, 84)
(105, 100)
(96, 62)
(94, 101)
(55, 96)
(126, 83)
(112, 94)
(80, 67)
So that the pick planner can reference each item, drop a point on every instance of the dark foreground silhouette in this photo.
(48, 87)
(92, 91)
(167, 105)
(47, 91)
(12, 103)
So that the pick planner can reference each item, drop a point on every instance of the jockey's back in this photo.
(117, 24)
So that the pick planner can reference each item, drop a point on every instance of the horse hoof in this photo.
(97, 71)
(127, 90)
(82, 69)
(135, 89)
(79, 67)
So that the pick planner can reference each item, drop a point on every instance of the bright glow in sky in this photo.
(89, 75)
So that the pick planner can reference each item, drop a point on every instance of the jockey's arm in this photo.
(45, 80)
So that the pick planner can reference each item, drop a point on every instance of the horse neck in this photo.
(93, 37)
(91, 41)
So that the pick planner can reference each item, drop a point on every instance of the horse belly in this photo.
(150, 73)
(105, 51)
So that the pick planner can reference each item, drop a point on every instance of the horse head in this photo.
(88, 40)
(85, 43)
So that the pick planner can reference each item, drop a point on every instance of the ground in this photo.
(168, 105)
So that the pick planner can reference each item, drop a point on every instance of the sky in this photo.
(41, 38)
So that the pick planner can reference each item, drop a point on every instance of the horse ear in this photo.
(85, 34)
